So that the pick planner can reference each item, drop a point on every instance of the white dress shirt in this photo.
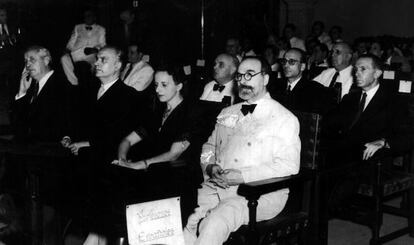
(42, 83)
(210, 95)
(345, 78)
(293, 84)
(104, 88)
(140, 76)
(370, 93)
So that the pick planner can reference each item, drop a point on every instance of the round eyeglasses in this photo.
(247, 76)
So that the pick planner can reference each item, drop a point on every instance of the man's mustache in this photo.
(245, 87)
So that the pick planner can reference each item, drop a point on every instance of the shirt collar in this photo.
(108, 85)
(293, 84)
(346, 72)
(370, 94)
(44, 79)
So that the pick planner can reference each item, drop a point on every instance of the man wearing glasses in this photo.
(340, 75)
(253, 140)
(296, 92)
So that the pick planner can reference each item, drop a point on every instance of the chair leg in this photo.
(377, 212)
(410, 203)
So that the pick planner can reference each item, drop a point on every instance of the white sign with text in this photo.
(155, 222)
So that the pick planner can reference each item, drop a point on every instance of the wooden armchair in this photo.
(382, 182)
(299, 213)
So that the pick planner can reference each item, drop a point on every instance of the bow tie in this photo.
(88, 28)
(245, 109)
(218, 87)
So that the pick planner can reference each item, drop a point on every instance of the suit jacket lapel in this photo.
(374, 105)
(299, 86)
(107, 92)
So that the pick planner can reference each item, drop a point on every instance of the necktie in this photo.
(338, 91)
(100, 92)
(127, 72)
(289, 89)
(333, 81)
(247, 109)
(360, 109)
(35, 91)
(218, 87)
(88, 28)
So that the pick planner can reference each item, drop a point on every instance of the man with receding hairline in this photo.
(296, 92)
(253, 140)
(39, 110)
(112, 109)
(223, 85)
(341, 73)
(114, 112)
(368, 119)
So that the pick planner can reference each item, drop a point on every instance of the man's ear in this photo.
(302, 67)
(46, 59)
(179, 87)
(266, 79)
(118, 65)
(377, 73)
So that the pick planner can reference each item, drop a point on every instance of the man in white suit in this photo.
(137, 73)
(84, 43)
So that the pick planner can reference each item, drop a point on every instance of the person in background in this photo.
(223, 86)
(289, 32)
(340, 75)
(84, 43)
(137, 73)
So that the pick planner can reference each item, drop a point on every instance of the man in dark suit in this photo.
(39, 114)
(114, 112)
(369, 119)
(296, 92)
(114, 109)
(40, 106)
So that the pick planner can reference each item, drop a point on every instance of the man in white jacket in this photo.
(137, 73)
(84, 43)
(253, 140)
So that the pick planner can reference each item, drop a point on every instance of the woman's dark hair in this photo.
(177, 74)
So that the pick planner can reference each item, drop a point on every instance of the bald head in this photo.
(225, 66)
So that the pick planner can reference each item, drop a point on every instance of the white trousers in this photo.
(69, 69)
(222, 215)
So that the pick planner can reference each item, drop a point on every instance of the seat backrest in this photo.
(310, 127)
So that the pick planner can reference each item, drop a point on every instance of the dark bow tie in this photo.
(218, 87)
(88, 28)
(247, 109)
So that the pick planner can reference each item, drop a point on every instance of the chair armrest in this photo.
(253, 190)
(174, 164)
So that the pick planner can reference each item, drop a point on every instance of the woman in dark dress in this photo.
(172, 124)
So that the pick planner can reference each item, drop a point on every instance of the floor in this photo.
(347, 233)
